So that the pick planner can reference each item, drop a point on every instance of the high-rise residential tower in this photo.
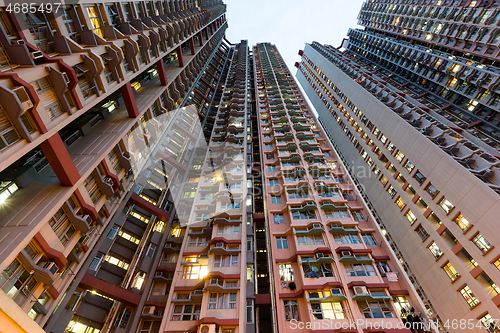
(328, 257)
(91, 95)
(411, 103)
(157, 178)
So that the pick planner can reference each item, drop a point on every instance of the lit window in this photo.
(399, 156)
(436, 252)
(410, 217)
(462, 222)
(446, 205)
(451, 272)
(383, 180)
(490, 323)
(401, 204)
(469, 296)
(94, 20)
(138, 280)
(481, 243)
(409, 166)
(391, 191)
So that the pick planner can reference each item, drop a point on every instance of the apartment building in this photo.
(410, 103)
(329, 258)
(102, 108)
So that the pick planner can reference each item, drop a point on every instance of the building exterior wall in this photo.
(89, 175)
(409, 160)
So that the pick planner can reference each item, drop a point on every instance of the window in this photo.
(286, 272)
(357, 215)
(383, 267)
(250, 311)
(270, 156)
(328, 310)
(310, 240)
(273, 182)
(278, 219)
(391, 191)
(469, 296)
(17, 282)
(409, 166)
(359, 270)
(62, 226)
(436, 252)
(226, 261)
(410, 217)
(186, 312)
(116, 260)
(228, 230)
(299, 215)
(446, 205)
(281, 242)
(139, 280)
(399, 156)
(275, 199)
(271, 168)
(291, 310)
(369, 240)
(347, 239)
(462, 222)
(431, 190)
(151, 250)
(419, 177)
(197, 241)
(481, 243)
(268, 146)
(194, 272)
(375, 309)
(451, 272)
(401, 204)
(422, 233)
(383, 180)
(222, 301)
(94, 20)
(490, 323)
(92, 188)
(337, 214)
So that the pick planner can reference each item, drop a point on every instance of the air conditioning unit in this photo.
(346, 253)
(36, 55)
(49, 265)
(220, 244)
(317, 225)
(66, 78)
(23, 96)
(336, 291)
(360, 290)
(148, 309)
(19, 41)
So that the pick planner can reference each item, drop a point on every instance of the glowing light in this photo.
(203, 271)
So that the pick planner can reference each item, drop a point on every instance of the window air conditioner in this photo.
(36, 55)
(359, 290)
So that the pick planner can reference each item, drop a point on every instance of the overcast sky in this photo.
(289, 24)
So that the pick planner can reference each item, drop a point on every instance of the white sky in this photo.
(289, 24)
